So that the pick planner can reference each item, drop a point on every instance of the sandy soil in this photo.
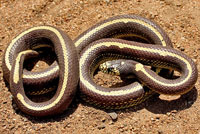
(158, 115)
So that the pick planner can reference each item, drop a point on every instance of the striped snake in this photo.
(101, 45)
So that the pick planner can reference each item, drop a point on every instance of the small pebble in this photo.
(152, 119)
(168, 113)
(113, 115)
(174, 111)
(107, 1)
(182, 49)
(177, 3)
(11, 97)
(157, 118)
(190, 102)
(195, 60)
(102, 126)
(111, 123)
(103, 119)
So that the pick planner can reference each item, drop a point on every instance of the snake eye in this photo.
(110, 70)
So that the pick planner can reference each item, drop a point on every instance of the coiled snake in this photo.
(93, 48)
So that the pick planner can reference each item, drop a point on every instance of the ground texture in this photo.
(158, 115)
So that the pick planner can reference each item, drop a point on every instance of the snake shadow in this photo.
(160, 106)
(154, 104)
(157, 105)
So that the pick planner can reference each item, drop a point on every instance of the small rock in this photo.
(195, 60)
(174, 111)
(25, 119)
(160, 132)
(122, 126)
(15, 106)
(177, 3)
(190, 102)
(34, 127)
(18, 132)
(168, 113)
(102, 126)
(111, 123)
(121, 130)
(11, 97)
(67, 125)
(103, 119)
(152, 119)
(107, 1)
(182, 49)
(78, 115)
(157, 118)
(113, 115)
(183, 38)
(99, 16)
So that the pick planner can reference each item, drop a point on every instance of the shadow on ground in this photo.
(159, 106)
(154, 104)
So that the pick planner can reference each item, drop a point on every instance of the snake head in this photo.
(120, 67)
(111, 67)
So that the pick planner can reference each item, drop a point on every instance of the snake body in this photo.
(68, 80)
(118, 26)
(91, 53)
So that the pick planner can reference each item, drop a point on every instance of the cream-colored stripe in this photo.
(35, 47)
(130, 35)
(41, 46)
(54, 69)
(109, 93)
(78, 42)
(64, 84)
(17, 63)
(121, 45)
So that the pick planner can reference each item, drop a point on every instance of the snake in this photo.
(95, 47)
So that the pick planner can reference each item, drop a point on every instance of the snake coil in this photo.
(67, 59)
(91, 50)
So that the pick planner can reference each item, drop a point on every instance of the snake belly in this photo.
(67, 60)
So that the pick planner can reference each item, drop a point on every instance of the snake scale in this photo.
(106, 45)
